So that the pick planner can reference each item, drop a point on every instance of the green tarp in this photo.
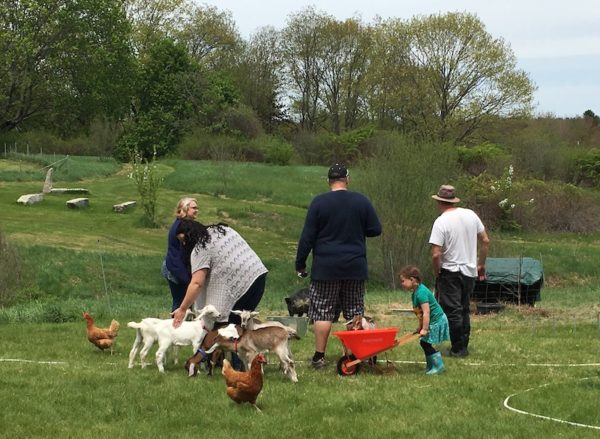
(516, 280)
(526, 271)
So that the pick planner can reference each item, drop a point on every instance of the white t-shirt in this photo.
(455, 231)
(233, 268)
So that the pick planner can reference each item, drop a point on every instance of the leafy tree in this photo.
(260, 80)
(302, 51)
(153, 20)
(344, 58)
(210, 36)
(388, 76)
(63, 62)
(463, 75)
(161, 109)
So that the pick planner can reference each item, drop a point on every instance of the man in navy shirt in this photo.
(335, 231)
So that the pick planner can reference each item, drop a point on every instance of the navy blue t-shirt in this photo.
(335, 230)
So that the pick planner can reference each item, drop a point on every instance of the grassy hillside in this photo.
(76, 259)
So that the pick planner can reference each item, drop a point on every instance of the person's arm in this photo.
(436, 259)
(373, 224)
(193, 290)
(307, 240)
(484, 246)
(424, 329)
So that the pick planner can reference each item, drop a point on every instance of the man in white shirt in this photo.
(456, 264)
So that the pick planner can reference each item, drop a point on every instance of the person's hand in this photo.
(481, 272)
(423, 332)
(178, 316)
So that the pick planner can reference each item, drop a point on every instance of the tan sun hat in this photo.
(447, 194)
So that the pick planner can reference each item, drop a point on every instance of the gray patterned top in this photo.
(232, 268)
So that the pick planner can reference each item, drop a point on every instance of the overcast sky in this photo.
(556, 41)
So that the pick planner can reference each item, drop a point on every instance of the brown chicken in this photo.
(102, 338)
(245, 386)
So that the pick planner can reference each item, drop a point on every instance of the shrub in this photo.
(399, 179)
(147, 182)
(588, 168)
(242, 121)
(326, 148)
(201, 145)
(308, 148)
(531, 205)
(276, 151)
(477, 159)
(557, 207)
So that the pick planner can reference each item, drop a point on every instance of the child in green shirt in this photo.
(433, 323)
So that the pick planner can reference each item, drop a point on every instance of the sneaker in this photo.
(320, 363)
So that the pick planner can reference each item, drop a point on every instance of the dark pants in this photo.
(178, 293)
(427, 348)
(250, 300)
(454, 290)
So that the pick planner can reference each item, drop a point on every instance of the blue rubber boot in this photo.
(437, 364)
(429, 363)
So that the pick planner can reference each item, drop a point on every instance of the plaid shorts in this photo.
(330, 297)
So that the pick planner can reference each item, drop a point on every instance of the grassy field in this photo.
(55, 383)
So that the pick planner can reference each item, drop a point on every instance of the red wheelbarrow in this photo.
(364, 344)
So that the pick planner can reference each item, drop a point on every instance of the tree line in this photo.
(154, 71)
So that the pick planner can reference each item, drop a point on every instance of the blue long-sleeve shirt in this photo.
(175, 260)
(335, 230)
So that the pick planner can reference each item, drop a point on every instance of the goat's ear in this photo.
(235, 311)
(254, 313)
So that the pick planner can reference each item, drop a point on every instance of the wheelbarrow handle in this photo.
(407, 339)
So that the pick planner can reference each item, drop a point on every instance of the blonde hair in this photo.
(183, 206)
(411, 271)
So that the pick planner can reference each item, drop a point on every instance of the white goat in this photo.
(252, 342)
(150, 330)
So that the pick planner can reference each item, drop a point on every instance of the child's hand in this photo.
(423, 332)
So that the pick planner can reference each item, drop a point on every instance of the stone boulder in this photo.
(122, 207)
(30, 199)
(78, 203)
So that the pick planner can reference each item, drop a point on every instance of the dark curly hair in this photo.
(197, 233)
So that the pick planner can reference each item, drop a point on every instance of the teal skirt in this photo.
(438, 332)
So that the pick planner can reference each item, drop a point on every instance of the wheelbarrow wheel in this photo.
(344, 369)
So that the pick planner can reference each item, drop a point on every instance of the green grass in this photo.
(91, 393)
(109, 264)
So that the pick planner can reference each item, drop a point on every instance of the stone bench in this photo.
(77, 203)
(65, 190)
(30, 199)
(122, 207)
